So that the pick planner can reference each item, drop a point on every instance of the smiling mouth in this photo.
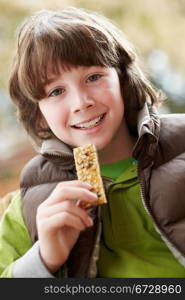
(90, 124)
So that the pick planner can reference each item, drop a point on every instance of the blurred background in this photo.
(155, 27)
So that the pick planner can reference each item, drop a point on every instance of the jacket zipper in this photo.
(56, 154)
(164, 237)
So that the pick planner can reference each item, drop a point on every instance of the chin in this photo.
(100, 145)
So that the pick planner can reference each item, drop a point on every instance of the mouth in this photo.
(91, 123)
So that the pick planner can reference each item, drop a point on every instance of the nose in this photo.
(82, 101)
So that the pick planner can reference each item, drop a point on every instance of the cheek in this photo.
(119, 102)
(53, 114)
(44, 109)
(58, 119)
(114, 101)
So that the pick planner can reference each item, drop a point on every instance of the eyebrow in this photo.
(55, 75)
(51, 80)
(54, 78)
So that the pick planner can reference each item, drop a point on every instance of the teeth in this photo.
(89, 124)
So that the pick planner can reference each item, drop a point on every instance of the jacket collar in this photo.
(58, 152)
(148, 133)
(56, 147)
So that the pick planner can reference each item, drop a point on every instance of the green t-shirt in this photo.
(130, 246)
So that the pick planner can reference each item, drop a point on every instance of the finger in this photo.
(77, 183)
(70, 193)
(66, 206)
(58, 221)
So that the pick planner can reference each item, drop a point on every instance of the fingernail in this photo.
(90, 221)
(88, 185)
(94, 195)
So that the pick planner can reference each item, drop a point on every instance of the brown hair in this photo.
(72, 37)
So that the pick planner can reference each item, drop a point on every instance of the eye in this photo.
(56, 92)
(94, 77)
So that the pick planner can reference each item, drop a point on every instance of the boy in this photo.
(76, 80)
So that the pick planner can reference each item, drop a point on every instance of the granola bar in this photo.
(88, 170)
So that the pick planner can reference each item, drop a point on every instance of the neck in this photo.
(120, 147)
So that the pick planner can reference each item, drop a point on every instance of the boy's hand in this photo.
(60, 220)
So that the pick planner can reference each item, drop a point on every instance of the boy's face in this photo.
(84, 105)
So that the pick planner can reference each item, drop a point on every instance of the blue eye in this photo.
(94, 77)
(56, 92)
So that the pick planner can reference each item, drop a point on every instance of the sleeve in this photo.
(18, 257)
